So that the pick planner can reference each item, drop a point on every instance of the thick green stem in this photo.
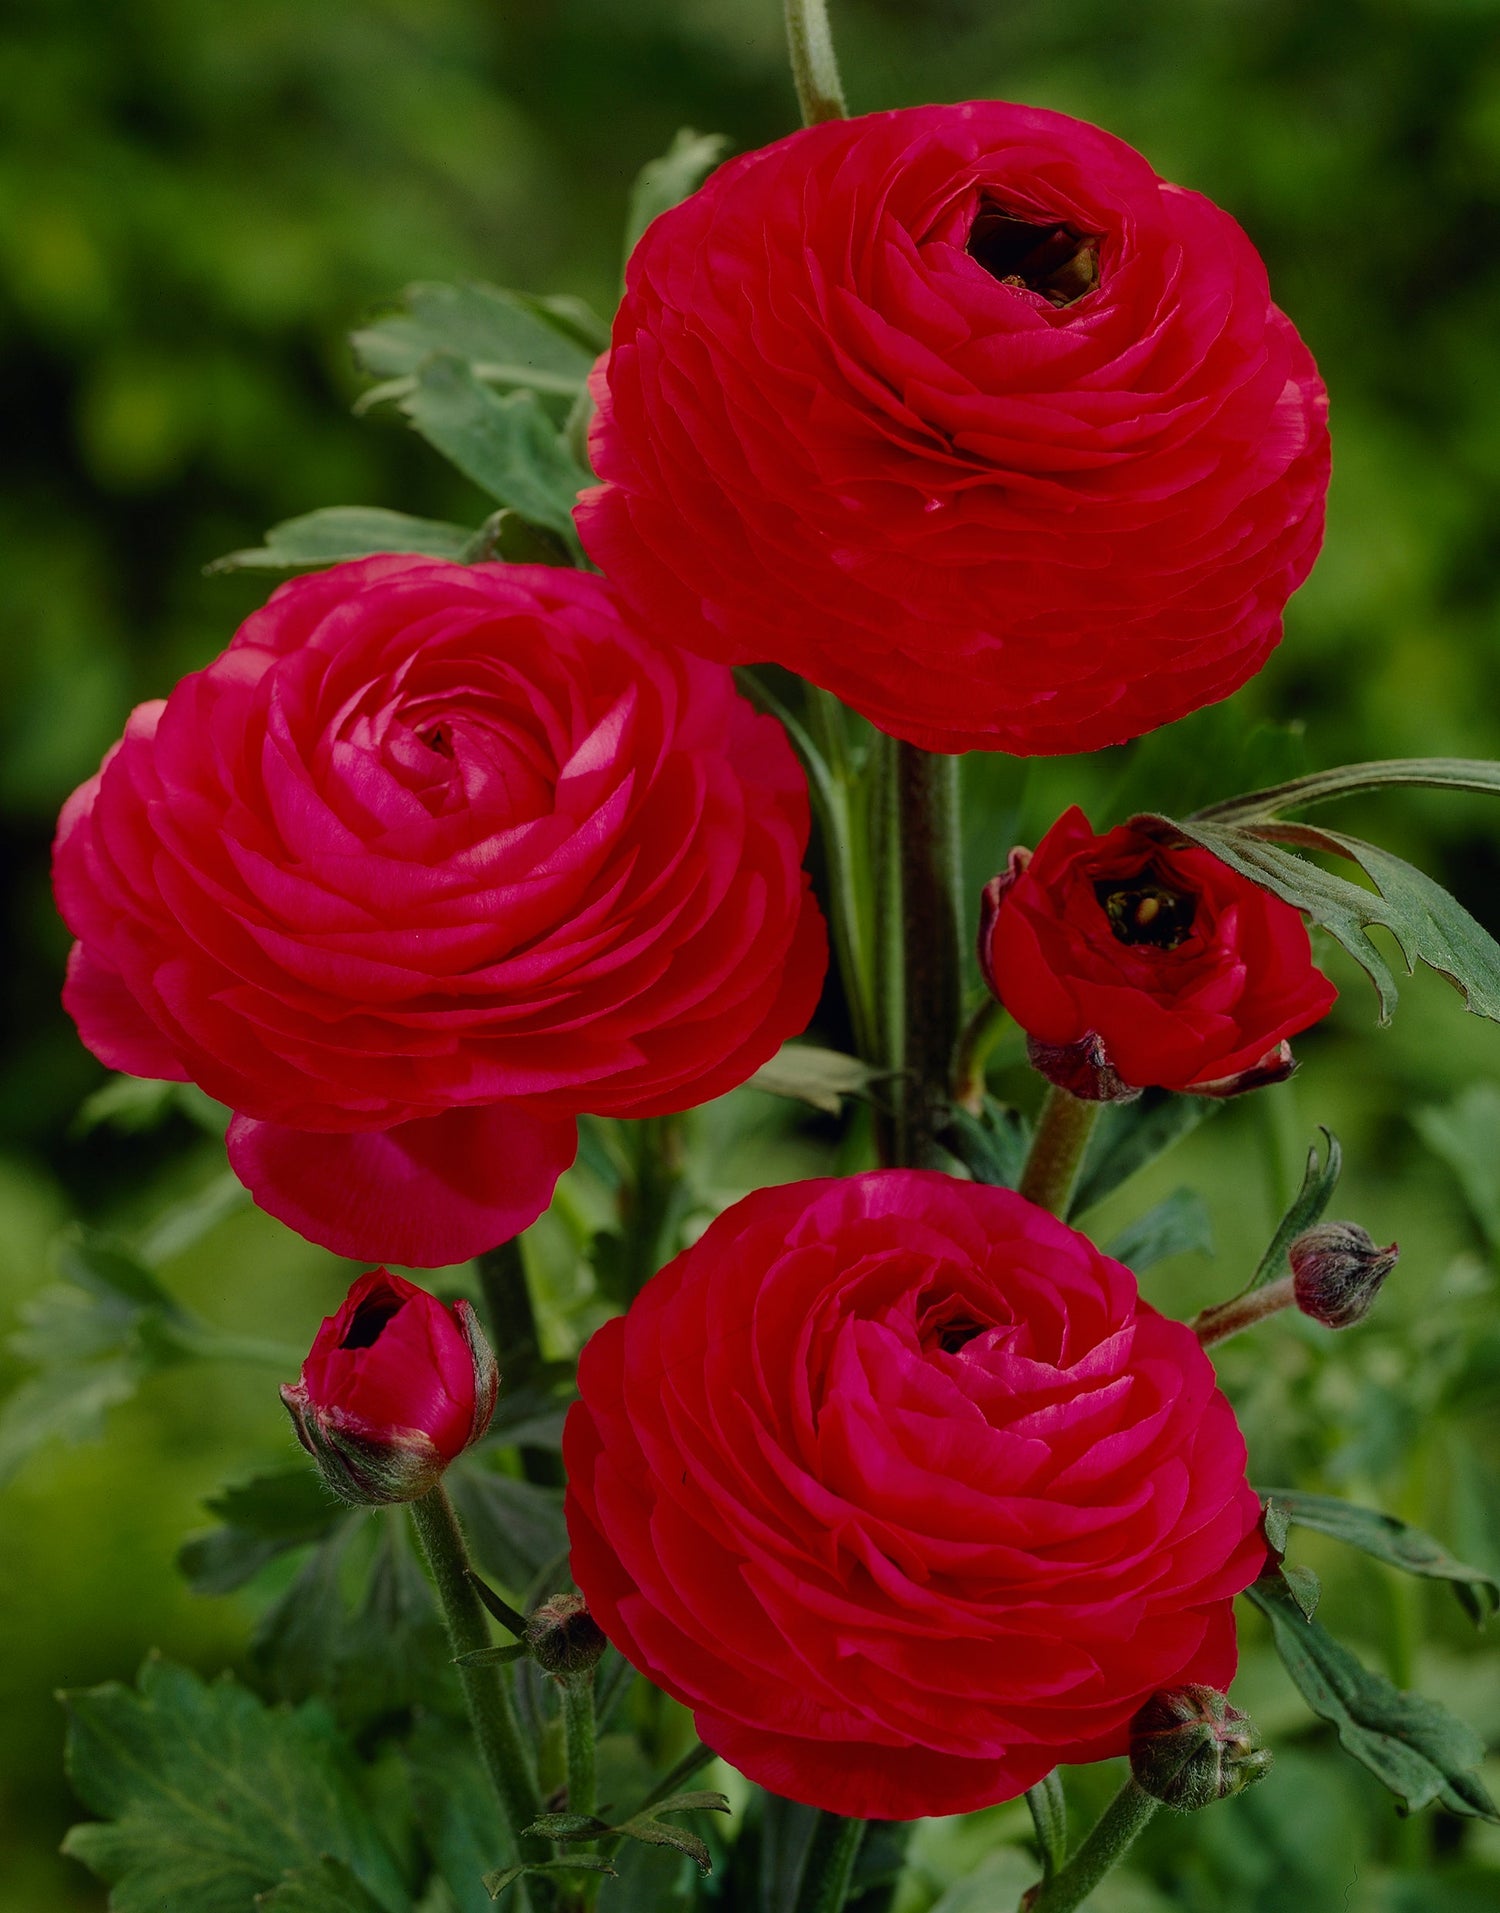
(814, 67)
(486, 1686)
(578, 1738)
(830, 1864)
(1104, 1848)
(1062, 1134)
(1217, 1324)
(931, 949)
(1049, 1815)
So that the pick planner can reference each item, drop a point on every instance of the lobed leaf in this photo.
(821, 1077)
(207, 1798)
(992, 1146)
(506, 339)
(1413, 1746)
(339, 532)
(1395, 1542)
(496, 1883)
(261, 1518)
(327, 1886)
(1319, 1180)
(1322, 787)
(507, 446)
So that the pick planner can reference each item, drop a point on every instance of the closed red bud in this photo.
(1337, 1271)
(396, 1385)
(1189, 1748)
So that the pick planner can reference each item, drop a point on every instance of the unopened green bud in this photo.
(1189, 1748)
(564, 1637)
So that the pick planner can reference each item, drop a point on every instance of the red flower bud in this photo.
(395, 1386)
(1337, 1272)
(1189, 1748)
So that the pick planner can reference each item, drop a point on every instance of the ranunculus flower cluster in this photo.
(395, 1387)
(897, 1483)
(433, 858)
(965, 414)
(1133, 963)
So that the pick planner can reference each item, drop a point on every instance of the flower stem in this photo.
(815, 70)
(1062, 1134)
(1049, 1815)
(931, 950)
(486, 1686)
(1104, 1848)
(578, 1738)
(976, 1039)
(512, 1317)
(1218, 1323)
(830, 1864)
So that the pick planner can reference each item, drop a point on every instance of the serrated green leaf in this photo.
(506, 339)
(340, 532)
(1209, 755)
(507, 446)
(327, 1886)
(699, 1800)
(570, 1826)
(295, 1647)
(207, 1798)
(67, 1404)
(1322, 787)
(393, 1652)
(666, 182)
(455, 1807)
(1128, 1136)
(1413, 1746)
(652, 1833)
(1394, 1542)
(1177, 1224)
(1304, 1587)
(821, 1077)
(262, 1518)
(992, 1146)
(109, 1269)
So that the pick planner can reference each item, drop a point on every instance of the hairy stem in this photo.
(1224, 1319)
(1105, 1846)
(1049, 1815)
(815, 70)
(1062, 1134)
(931, 950)
(486, 1686)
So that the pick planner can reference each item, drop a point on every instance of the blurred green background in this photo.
(197, 202)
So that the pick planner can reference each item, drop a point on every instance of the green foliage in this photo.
(1414, 1746)
(1129, 1136)
(665, 182)
(506, 341)
(820, 1077)
(207, 1798)
(1319, 1180)
(1395, 1542)
(1176, 1225)
(338, 532)
(327, 1886)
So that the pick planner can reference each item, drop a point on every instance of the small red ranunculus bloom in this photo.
(897, 1483)
(965, 414)
(1132, 964)
(432, 859)
(394, 1387)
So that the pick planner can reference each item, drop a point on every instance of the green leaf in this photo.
(506, 339)
(63, 1404)
(134, 1105)
(652, 1833)
(699, 1800)
(1413, 1746)
(338, 532)
(393, 1652)
(297, 1641)
(1128, 1136)
(1321, 787)
(992, 1146)
(1319, 1180)
(505, 535)
(570, 1826)
(327, 1886)
(1425, 921)
(515, 1528)
(207, 1798)
(108, 1269)
(1393, 1542)
(1179, 1223)
(666, 182)
(496, 1883)
(455, 1807)
(507, 446)
(262, 1518)
(822, 1077)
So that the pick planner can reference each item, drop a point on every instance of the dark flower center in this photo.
(957, 1335)
(369, 1321)
(438, 739)
(1146, 911)
(1049, 258)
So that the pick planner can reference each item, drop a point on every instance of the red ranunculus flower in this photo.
(965, 414)
(897, 1483)
(431, 859)
(1135, 964)
(394, 1387)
